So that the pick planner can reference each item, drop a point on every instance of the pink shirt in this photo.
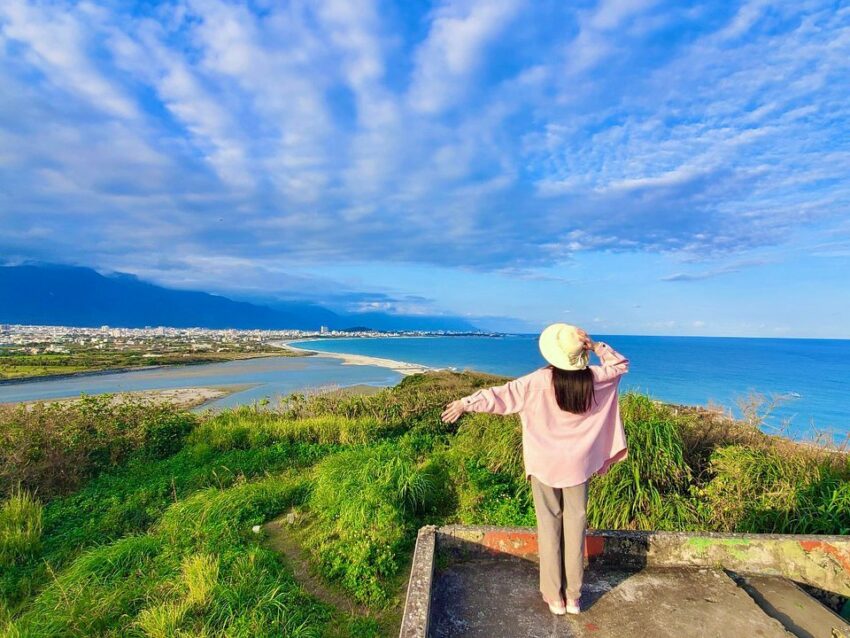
(559, 448)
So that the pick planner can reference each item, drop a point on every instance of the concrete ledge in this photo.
(417, 608)
(821, 561)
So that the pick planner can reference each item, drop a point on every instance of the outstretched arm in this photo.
(503, 399)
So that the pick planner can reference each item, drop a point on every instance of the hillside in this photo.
(143, 518)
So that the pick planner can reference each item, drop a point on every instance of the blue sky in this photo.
(634, 166)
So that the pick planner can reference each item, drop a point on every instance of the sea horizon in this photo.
(665, 368)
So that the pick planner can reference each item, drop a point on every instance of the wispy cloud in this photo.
(727, 269)
(508, 136)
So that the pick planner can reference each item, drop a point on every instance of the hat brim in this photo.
(552, 352)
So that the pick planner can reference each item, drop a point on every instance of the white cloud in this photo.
(454, 50)
(499, 135)
(58, 44)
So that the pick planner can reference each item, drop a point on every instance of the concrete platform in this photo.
(800, 613)
(491, 597)
(482, 581)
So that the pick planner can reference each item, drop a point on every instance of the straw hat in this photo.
(561, 346)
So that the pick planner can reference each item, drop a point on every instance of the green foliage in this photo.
(366, 503)
(487, 457)
(246, 428)
(19, 365)
(53, 448)
(494, 441)
(195, 573)
(416, 402)
(755, 490)
(155, 539)
(20, 528)
(134, 498)
(648, 490)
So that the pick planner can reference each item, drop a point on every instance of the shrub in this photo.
(649, 489)
(20, 527)
(246, 428)
(53, 448)
(755, 490)
(366, 503)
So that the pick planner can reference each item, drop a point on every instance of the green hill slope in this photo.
(141, 520)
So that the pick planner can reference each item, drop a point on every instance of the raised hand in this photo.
(585, 338)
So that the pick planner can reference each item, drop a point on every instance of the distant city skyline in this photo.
(632, 166)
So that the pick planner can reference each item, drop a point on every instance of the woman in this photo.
(571, 429)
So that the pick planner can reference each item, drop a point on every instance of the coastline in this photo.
(402, 367)
(122, 369)
(183, 398)
(82, 373)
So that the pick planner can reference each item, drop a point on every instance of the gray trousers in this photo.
(561, 524)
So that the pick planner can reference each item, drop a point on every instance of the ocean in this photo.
(810, 377)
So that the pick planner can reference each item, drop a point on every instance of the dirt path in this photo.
(284, 539)
(280, 538)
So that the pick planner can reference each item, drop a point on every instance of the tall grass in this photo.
(20, 527)
(365, 503)
(416, 402)
(764, 490)
(648, 490)
(54, 448)
(246, 428)
(155, 540)
(198, 572)
(495, 441)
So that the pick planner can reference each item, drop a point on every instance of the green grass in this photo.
(649, 489)
(17, 365)
(20, 528)
(366, 504)
(151, 533)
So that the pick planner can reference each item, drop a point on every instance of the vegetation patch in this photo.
(144, 528)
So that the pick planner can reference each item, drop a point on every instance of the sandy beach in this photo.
(183, 398)
(401, 367)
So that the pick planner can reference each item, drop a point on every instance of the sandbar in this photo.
(402, 367)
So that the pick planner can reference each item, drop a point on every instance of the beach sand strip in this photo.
(401, 367)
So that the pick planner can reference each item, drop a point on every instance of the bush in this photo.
(767, 490)
(366, 503)
(20, 528)
(53, 448)
(247, 428)
(649, 489)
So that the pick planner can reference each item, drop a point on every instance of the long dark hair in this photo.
(573, 389)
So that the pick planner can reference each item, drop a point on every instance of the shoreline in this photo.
(190, 398)
(123, 369)
(402, 367)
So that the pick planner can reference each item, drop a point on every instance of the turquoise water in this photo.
(812, 375)
(265, 378)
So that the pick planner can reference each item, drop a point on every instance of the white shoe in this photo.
(557, 608)
(572, 606)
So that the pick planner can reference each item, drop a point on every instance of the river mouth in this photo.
(247, 381)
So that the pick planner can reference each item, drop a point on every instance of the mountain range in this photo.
(51, 294)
